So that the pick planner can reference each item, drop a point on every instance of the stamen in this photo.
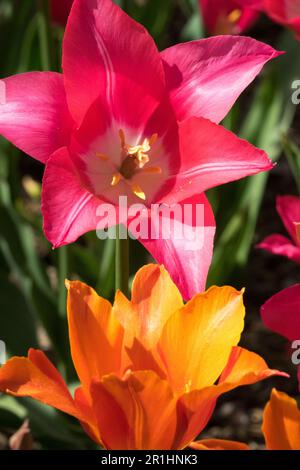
(116, 179)
(137, 190)
(235, 15)
(102, 156)
(298, 231)
(187, 387)
(153, 139)
(122, 138)
(153, 170)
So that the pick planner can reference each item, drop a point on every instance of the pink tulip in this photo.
(281, 314)
(125, 120)
(60, 10)
(228, 16)
(284, 12)
(288, 207)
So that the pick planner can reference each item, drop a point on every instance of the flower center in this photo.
(135, 158)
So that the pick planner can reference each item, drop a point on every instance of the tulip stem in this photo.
(122, 260)
(45, 33)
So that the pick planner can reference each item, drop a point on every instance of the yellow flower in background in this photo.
(151, 369)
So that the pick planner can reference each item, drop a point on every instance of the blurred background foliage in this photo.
(32, 293)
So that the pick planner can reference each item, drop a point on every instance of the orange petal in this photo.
(95, 334)
(137, 413)
(140, 358)
(90, 425)
(218, 444)
(37, 378)
(154, 298)
(243, 368)
(196, 341)
(281, 422)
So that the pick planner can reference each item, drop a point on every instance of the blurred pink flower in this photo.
(284, 12)
(281, 314)
(125, 120)
(228, 16)
(288, 207)
(236, 16)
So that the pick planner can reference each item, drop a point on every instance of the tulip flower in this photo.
(281, 422)
(227, 16)
(281, 427)
(60, 10)
(281, 314)
(129, 354)
(126, 120)
(288, 207)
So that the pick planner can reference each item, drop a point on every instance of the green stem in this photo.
(122, 260)
(62, 275)
(45, 34)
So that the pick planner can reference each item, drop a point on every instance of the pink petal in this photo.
(254, 4)
(210, 156)
(280, 245)
(33, 113)
(108, 54)
(186, 258)
(206, 77)
(69, 210)
(288, 207)
(281, 313)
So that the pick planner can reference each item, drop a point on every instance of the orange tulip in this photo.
(281, 423)
(281, 427)
(151, 369)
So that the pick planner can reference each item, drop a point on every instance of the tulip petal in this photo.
(281, 422)
(282, 246)
(281, 313)
(37, 378)
(200, 336)
(186, 247)
(95, 334)
(107, 53)
(206, 77)
(218, 444)
(288, 207)
(210, 156)
(69, 210)
(154, 298)
(130, 415)
(33, 113)
(243, 368)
